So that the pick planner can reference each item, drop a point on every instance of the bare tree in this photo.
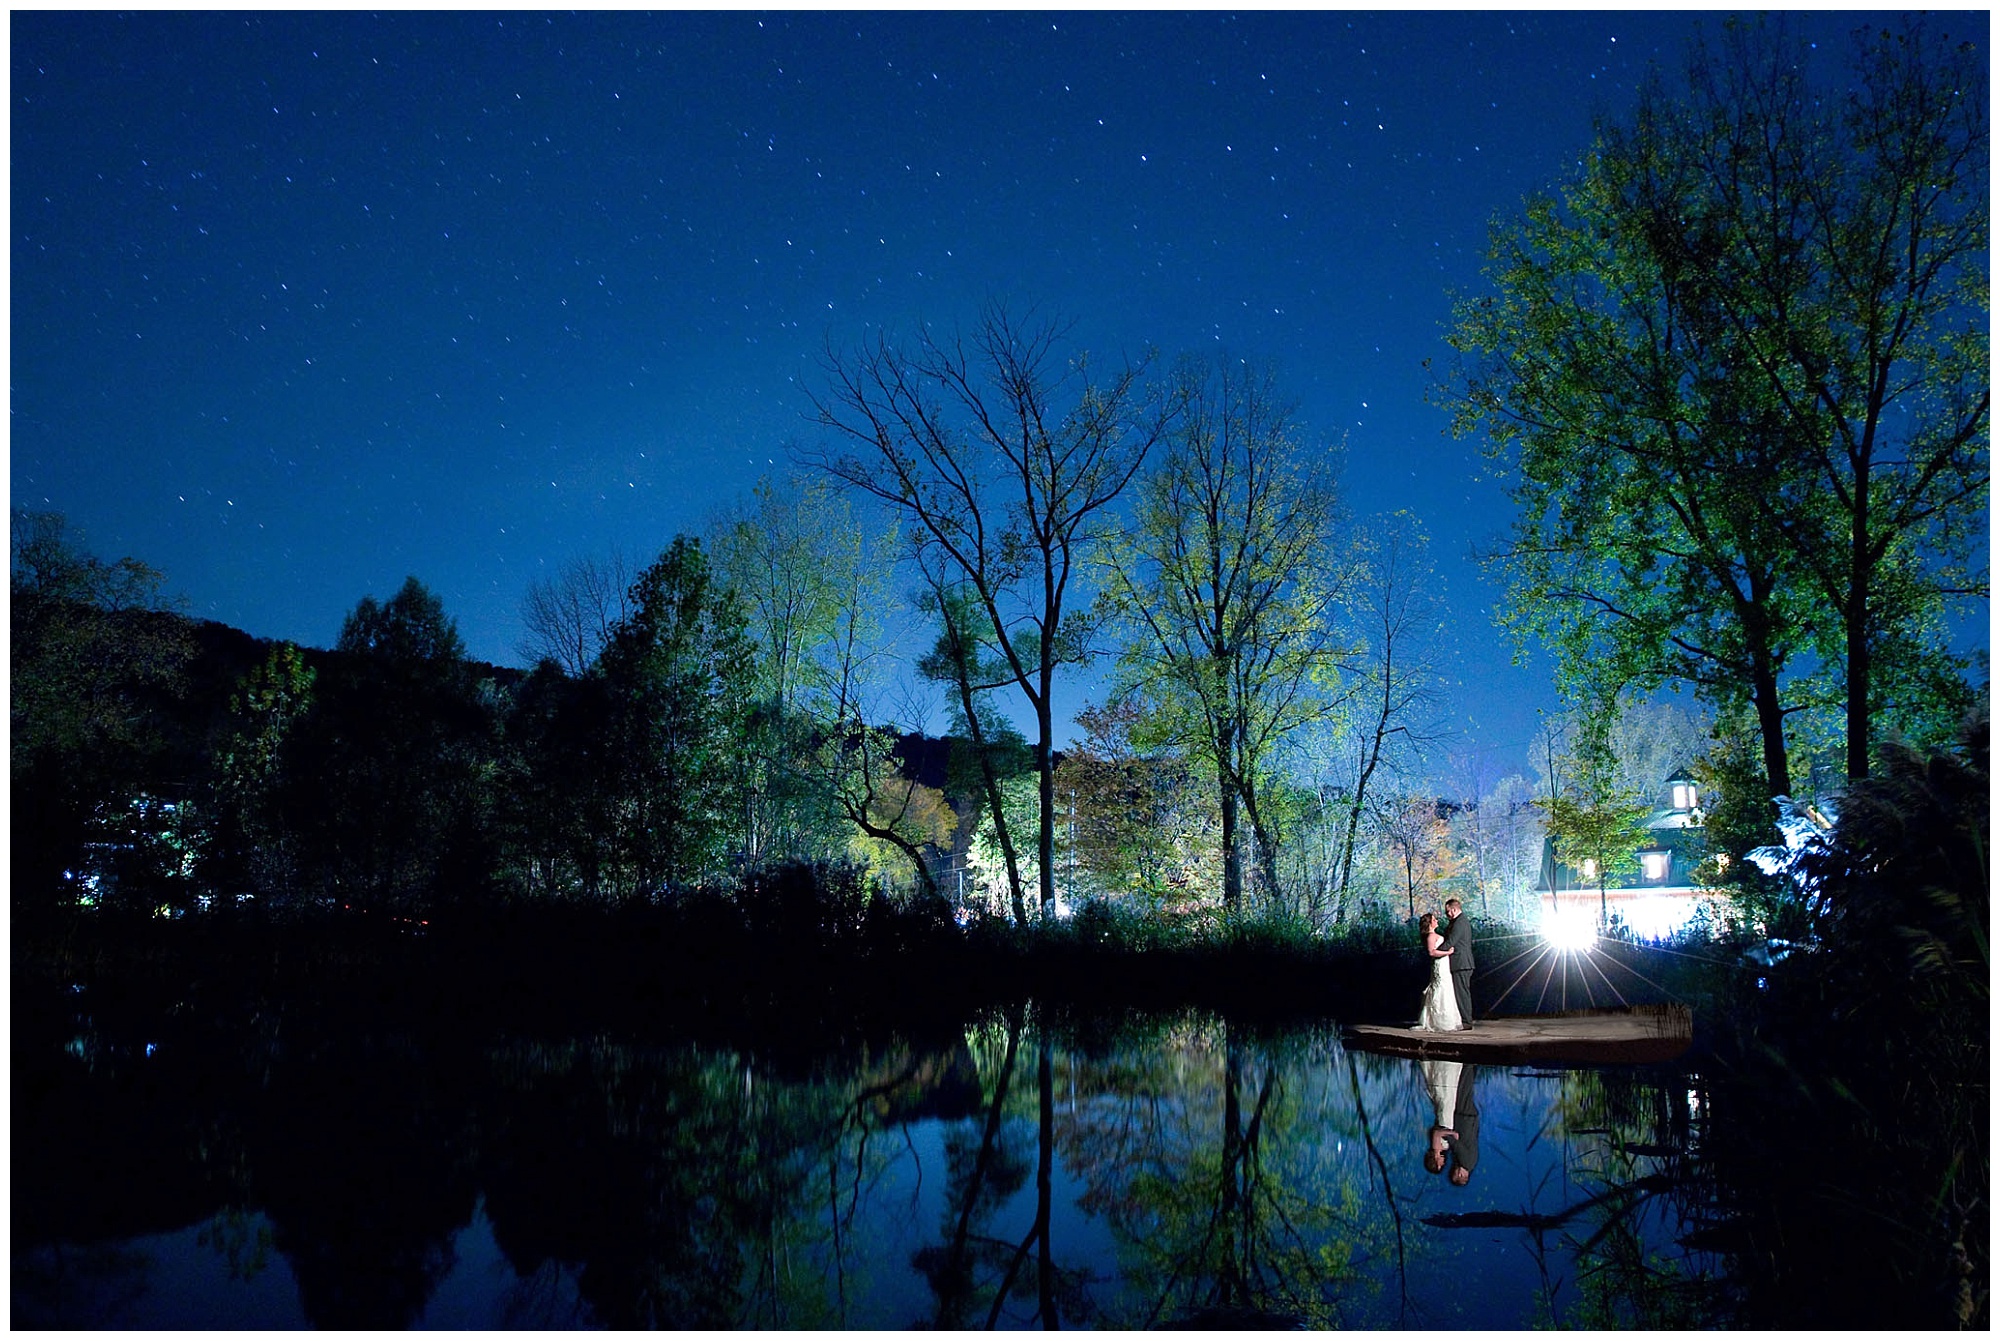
(569, 618)
(1395, 677)
(1005, 462)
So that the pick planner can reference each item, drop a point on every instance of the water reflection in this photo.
(1190, 1173)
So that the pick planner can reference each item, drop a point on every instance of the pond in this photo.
(1022, 1169)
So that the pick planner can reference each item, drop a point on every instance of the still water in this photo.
(1013, 1173)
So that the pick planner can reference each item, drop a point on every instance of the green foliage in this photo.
(1738, 818)
(1142, 828)
(678, 673)
(256, 768)
(1736, 370)
(1596, 820)
(392, 759)
(1227, 583)
(92, 657)
(1862, 1068)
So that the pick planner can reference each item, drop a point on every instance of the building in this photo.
(1662, 894)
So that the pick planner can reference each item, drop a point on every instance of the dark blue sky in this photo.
(306, 303)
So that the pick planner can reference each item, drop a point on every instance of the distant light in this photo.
(1569, 930)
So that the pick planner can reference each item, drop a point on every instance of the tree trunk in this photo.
(1860, 667)
(1232, 859)
(1267, 845)
(1770, 725)
(1045, 1266)
(1045, 762)
(992, 782)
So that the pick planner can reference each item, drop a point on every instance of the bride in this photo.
(1439, 1011)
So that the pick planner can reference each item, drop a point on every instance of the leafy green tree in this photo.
(1597, 824)
(394, 755)
(679, 674)
(557, 803)
(1229, 580)
(813, 581)
(993, 752)
(1738, 368)
(1005, 463)
(257, 768)
(93, 652)
(1143, 821)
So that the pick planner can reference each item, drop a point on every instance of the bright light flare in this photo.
(1569, 929)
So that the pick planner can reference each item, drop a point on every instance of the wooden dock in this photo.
(1609, 1034)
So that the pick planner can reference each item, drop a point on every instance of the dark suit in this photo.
(1465, 1121)
(1458, 939)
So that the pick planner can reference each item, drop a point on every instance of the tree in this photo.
(1142, 821)
(257, 770)
(1597, 825)
(569, 619)
(92, 648)
(1005, 464)
(1511, 825)
(959, 662)
(1393, 674)
(1421, 840)
(812, 579)
(392, 754)
(1737, 367)
(679, 673)
(1843, 246)
(1229, 581)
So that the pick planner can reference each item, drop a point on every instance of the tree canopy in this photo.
(1735, 369)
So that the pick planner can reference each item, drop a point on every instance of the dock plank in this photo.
(1621, 1034)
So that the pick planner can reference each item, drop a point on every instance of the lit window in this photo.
(1684, 796)
(1655, 864)
(1589, 869)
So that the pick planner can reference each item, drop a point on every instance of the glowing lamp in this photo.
(1569, 929)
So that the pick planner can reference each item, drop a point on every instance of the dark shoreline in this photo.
(644, 971)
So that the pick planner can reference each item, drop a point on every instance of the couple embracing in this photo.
(1447, 1002)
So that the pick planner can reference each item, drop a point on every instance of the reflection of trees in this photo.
(684, 1184)
(1213, 1163)
(979, 1180)
(973, 1273)
(1628, 1150)
(362, 1164)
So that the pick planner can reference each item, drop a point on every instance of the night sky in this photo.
(303, 304)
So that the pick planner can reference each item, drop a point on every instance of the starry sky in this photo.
(305, 303)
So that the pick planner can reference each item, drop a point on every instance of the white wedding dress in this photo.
(1439, 1011)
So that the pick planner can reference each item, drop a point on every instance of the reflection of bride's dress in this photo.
(1440, 1005)
(1441, 1080)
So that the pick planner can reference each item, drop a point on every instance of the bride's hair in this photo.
(1428, 922)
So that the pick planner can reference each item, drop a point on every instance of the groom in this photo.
(1458, 939)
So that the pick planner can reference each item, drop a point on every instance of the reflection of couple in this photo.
(1447, 1002)
(1455, 1130)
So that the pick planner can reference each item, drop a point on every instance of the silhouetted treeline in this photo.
(166, 765)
